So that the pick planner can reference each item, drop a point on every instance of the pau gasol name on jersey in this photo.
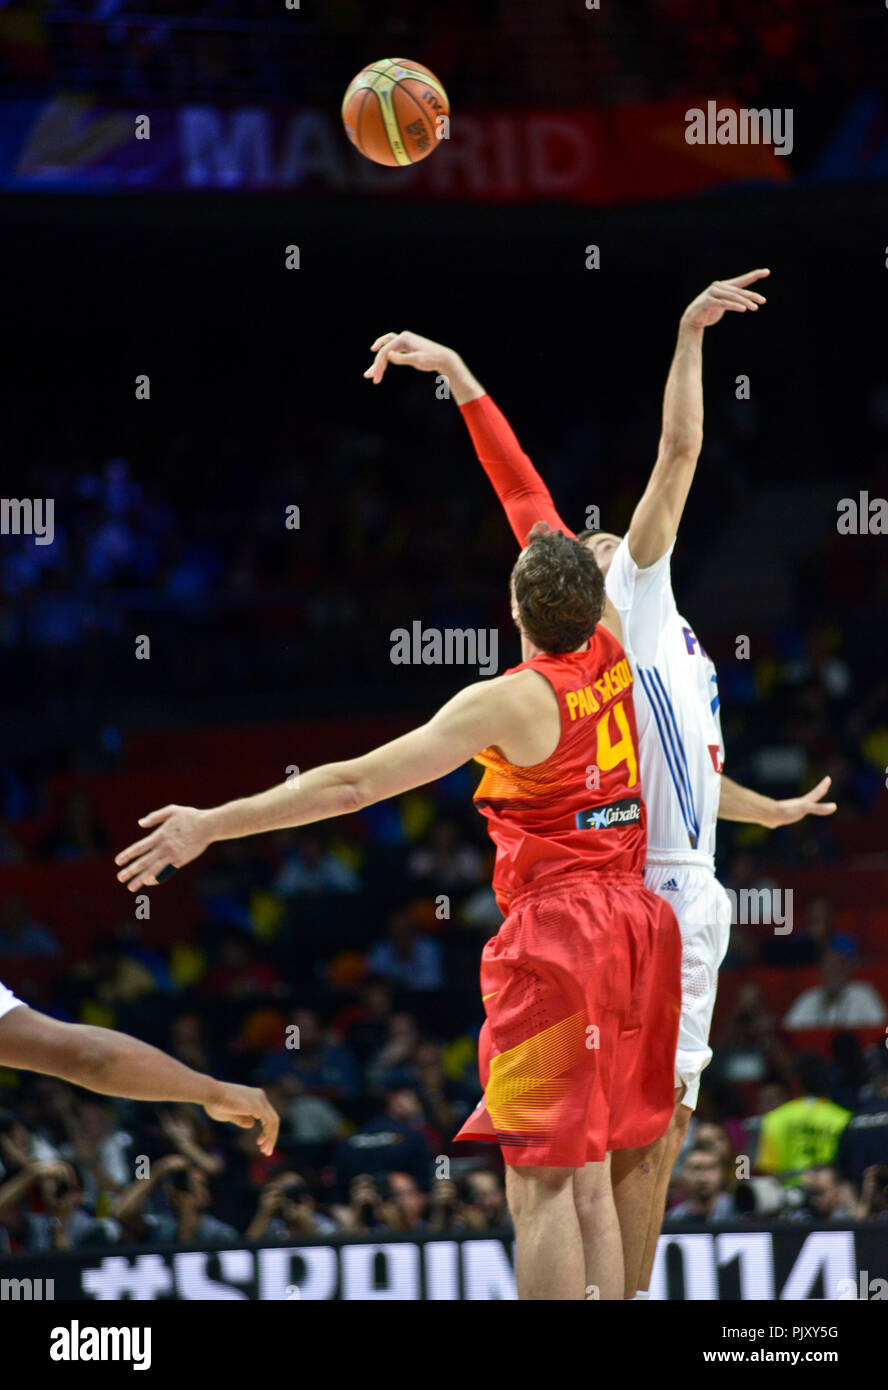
(582, 701)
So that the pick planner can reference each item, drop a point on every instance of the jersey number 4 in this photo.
(609, 754)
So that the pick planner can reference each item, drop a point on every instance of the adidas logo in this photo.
(671, 883)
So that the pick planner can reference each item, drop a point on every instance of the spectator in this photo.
(446, 862)
(239, 973)
(864, 1141)
(288, 1211)
(363, 1212)
(185, 1192)
(22, 937)
(97, 1145)
(826, 1198)
(188, 1043)
(838, 1001)
(446, 1209)
(805, 1132)
(407, 958)
(364, 1026)
(873, 1203)
(395, 1063)
(322, 1065)
(310, 868)
(306, 1118)
(405, 1207)
(486, 1200)
(63, 1223)
(393, 1141)
(703, 1178)
(79, 834)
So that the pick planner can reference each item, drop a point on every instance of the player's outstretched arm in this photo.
(522, 492)
(656, 518)
(114, 1064)
(742, 804)
(475, 718)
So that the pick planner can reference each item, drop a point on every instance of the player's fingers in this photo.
(381, 341)
(823, 808)
(820, 790)
(731, 298)
(381, 360)
(751, 297)
(270, 1121)
(156, 817)
(143, 872)
(137, 847)
(748, 278)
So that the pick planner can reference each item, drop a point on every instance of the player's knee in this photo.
(527, 1187)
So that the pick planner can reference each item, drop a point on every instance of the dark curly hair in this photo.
(559, 590)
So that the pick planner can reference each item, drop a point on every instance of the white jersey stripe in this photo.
(666, 744)
(684, 758)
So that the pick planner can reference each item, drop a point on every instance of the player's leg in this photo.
(636, 1175)
(600, 1230)
(704, 915)
(665, 1157)
(549, 1262)
(643, 1098)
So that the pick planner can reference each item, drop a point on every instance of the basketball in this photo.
(395, 111)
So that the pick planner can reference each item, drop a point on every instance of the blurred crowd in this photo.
(515, 53)
(355, 1005)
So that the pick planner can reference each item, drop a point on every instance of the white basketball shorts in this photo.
(703, 909)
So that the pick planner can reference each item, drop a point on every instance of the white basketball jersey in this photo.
(676, 709)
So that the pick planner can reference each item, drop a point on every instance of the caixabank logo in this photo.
(625, 812)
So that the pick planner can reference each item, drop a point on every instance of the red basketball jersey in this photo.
(582, 807)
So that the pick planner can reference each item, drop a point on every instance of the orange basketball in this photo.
(395, 111)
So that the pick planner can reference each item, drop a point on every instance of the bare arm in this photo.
(115, 1064)
(739, 803)
(656, 519)
(488, 712)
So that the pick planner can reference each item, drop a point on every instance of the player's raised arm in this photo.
(656, 518)
(740, 803)
(480, 715)
(519, 487)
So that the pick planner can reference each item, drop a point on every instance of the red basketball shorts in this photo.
(582, 995)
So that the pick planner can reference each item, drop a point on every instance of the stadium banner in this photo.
(71, 143)
(776, 1262)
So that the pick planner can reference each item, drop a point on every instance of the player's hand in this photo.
(722, 296)
(407, 350)
(179, 835)
(244, 1106)
(797, 807)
